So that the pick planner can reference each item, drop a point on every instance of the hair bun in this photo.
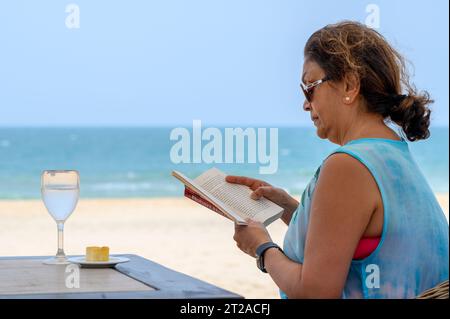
(397, 99)
(412, 114)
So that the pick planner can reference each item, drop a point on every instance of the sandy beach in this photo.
(174, 232)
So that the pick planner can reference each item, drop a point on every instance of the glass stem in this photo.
(60, 252)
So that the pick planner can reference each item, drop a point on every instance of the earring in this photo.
(347, 98)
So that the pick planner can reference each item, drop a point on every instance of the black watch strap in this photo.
(260, 254)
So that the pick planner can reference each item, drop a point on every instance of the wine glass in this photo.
(60, 190)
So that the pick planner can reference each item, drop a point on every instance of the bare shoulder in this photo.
(346, 169)
(343, 177)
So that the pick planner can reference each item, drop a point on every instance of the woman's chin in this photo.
(320, 132)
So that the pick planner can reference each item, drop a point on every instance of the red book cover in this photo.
(197, 198)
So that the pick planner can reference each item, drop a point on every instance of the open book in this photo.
(230, 200)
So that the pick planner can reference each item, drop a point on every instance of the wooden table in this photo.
(28, 277)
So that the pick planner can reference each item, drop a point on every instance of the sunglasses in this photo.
(308, 90)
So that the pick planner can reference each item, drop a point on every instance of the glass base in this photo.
(57, 260)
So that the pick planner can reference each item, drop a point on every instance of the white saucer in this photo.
(98, 264)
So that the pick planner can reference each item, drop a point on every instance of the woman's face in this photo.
(324, 105)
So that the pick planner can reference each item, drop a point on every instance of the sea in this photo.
(135, 162)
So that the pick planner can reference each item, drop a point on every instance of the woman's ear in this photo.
(351, 87)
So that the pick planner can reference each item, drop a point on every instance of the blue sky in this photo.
(140, 63)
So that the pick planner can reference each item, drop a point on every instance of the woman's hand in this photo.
(249, 237)
(276, 195)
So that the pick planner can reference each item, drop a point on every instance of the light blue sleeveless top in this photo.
(412, 255)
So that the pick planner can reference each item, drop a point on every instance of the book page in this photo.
(208, 196)
(191, 194)
(237, 197)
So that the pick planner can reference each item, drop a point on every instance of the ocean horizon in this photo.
(134, 162)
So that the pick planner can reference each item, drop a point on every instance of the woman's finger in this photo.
(263, 191)
(238, 227)
(247, 181)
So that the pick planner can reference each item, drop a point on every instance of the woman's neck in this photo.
(368, 126)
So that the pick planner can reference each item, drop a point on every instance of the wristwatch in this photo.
(260, 254)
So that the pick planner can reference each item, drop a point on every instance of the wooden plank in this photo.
(148, 280)
(31, 276)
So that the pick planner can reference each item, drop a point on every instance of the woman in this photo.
(368, 225)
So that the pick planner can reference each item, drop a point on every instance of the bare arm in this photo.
(287, 215)
(342, 206)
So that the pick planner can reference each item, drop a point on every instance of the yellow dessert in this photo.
(95, 253)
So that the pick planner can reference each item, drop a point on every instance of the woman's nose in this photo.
(306, 106)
